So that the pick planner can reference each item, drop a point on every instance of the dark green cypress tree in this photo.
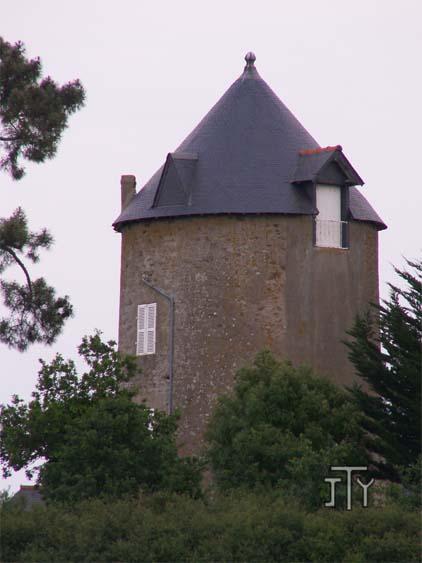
(386, 352)
(33, 115)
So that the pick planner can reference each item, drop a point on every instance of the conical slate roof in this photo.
(241, 158)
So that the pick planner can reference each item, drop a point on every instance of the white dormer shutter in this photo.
(146, 328)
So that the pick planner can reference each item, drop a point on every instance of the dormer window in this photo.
(329, 227)
(325, 175)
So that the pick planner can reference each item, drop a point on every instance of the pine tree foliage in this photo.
(386, 351)
(35, 313)
(33, 111)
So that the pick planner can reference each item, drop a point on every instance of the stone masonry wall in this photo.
(240, 284)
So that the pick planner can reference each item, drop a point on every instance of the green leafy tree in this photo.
(34, 113)
(93, 438)
(284, 427)
(386, 352)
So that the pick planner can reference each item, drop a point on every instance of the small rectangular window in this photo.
(146, 329)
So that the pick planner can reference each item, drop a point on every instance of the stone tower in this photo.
(250, 236)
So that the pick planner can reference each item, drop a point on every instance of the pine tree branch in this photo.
(20, 263)
(9, 139)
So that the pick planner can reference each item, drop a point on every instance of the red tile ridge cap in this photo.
(304, 152)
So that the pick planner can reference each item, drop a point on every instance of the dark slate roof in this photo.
(241, 158)
(361, 210)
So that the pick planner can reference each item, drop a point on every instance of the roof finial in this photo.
(250, 59)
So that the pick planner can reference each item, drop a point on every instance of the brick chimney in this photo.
(127, 189)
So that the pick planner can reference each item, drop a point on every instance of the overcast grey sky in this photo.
(349, 71)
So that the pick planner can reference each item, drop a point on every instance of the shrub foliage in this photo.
(236, 527)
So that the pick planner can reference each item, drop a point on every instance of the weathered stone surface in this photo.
(240, 284)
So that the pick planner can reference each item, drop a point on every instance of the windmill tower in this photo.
(250, 236)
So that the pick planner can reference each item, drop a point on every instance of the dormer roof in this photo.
(249, 154)
(326, 165)
(176, 180)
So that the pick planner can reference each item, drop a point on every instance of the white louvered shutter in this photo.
(146, 328)
(150, 333)
(141, 330)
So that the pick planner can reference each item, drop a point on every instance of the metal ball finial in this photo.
(250, 59)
